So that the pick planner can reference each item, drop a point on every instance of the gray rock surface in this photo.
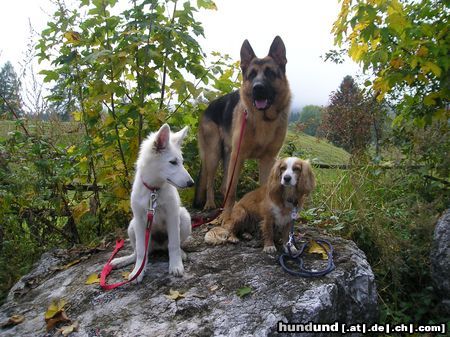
(210, 307)
(440, 259)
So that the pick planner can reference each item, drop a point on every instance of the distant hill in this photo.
(317, 150)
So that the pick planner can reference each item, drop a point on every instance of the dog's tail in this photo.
(123, 261)
(217, 235)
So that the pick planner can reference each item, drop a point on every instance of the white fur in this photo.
(160, 165)
(290, 171)
(280, 219)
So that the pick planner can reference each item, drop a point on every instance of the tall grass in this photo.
(390, 216)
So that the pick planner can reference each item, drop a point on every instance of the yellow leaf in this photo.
(77, 116)
(71, 149)
(315, 248)
(79, 210)
(121, 192)
(92, 112)
(72, 37)
(357, 51)
(126, 274)
(70, 264)
(381, 85)
(124, 205)
(430, 66)
(93, 278)
(109, 120)
(422, 51)
(59, 317)
(175, 295)
(396, 63)
(395, 7)
(97, 140)
(54, 308)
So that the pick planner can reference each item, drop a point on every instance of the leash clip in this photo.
(152, 204)
(291, 240)
(294, 213)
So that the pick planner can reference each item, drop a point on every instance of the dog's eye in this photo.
(283, 168)
(174, 162)
(297, 168)
(270, 73)
(252, 74)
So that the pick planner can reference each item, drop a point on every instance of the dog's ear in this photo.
(179, 136)
(274, 182)
(162, 138)
(277, 51)
(247, 55)
(306, 182)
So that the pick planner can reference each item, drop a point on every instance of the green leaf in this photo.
(49, 75)
(244, 291)
(207, 4)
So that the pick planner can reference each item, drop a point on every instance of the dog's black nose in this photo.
(190, 183)
(259, 90)
(287, 178)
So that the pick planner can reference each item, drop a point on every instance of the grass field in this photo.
(315, 149)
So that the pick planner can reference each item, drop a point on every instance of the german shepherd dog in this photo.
(265, 97)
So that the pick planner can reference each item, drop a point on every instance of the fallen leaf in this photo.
(67, 330)
(93, 278)
(70, 264)
(175, 295)
(61, 316)
(55, 314)
(125, 274)
(54, 308)
(13, 320)
(214, 288)
(244, 291)
(315, 248)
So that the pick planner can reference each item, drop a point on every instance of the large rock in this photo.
(440, 259)
(211, 306)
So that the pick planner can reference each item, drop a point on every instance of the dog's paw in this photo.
(269, 249)
(233, 238)
(217, 236)
(114, 262)
(176, 269)
(209, 206)
(137, 279)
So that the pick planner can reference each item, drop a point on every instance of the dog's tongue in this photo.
(261, 104)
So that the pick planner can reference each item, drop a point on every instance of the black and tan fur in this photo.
(266, 96)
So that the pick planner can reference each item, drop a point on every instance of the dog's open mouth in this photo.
(261, 104)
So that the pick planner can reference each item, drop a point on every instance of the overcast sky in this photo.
(304, 27)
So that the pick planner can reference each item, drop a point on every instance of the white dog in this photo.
(159, 166)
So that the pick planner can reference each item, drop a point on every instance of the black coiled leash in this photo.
(296, 256)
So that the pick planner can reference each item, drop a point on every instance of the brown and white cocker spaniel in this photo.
(291, 181)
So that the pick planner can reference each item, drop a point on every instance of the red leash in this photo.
(119, 244)
(198, 221)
